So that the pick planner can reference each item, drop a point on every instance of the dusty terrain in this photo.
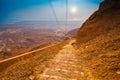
(97, 59)
(29, 35)
(64, 65)
(101, 55)
(99, 41)
(17, 40)
(102, 21)
(24, 67)
(94, 54)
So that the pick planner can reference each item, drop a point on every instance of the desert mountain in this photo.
(102, 21)
(98, 41)
(96, 57)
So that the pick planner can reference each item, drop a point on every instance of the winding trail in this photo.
(64, 66)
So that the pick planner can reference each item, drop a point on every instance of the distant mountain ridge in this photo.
(72, 33)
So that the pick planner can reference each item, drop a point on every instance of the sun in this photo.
(73, 9)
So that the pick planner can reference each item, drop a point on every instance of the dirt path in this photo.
(64, 66)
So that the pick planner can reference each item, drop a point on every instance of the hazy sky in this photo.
(25, 10)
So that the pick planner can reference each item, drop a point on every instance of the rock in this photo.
(31, 77)
(106, 18)
(86, 46)
(118, 72)
(109, 4)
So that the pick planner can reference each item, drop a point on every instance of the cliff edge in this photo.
(102, 21)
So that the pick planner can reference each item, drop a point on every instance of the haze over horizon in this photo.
(39, 10)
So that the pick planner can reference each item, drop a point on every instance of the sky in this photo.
(12, 11)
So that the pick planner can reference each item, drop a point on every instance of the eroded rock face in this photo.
(106, 4)
(103, 20)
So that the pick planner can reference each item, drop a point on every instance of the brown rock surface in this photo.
(109, 4)
(103, 20)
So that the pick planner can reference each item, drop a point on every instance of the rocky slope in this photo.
(98, 42)
(101, 56)
(97, 58)
(26, 67)
(107, 4)
(102, 21)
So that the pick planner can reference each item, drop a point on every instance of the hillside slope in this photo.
(101, 55)
(96, 58)
(98, 42)
(23, 67)
(102, 21)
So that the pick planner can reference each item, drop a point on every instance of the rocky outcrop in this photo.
(98, 42)
(103, 20)
(109, 4)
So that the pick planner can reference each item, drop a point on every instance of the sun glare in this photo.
(73, 9)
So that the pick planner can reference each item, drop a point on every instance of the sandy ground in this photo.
(64, 66)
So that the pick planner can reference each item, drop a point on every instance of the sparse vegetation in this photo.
(101, 55)
(22, 68)
(98, 41)
(95, 55)
(15, 39)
